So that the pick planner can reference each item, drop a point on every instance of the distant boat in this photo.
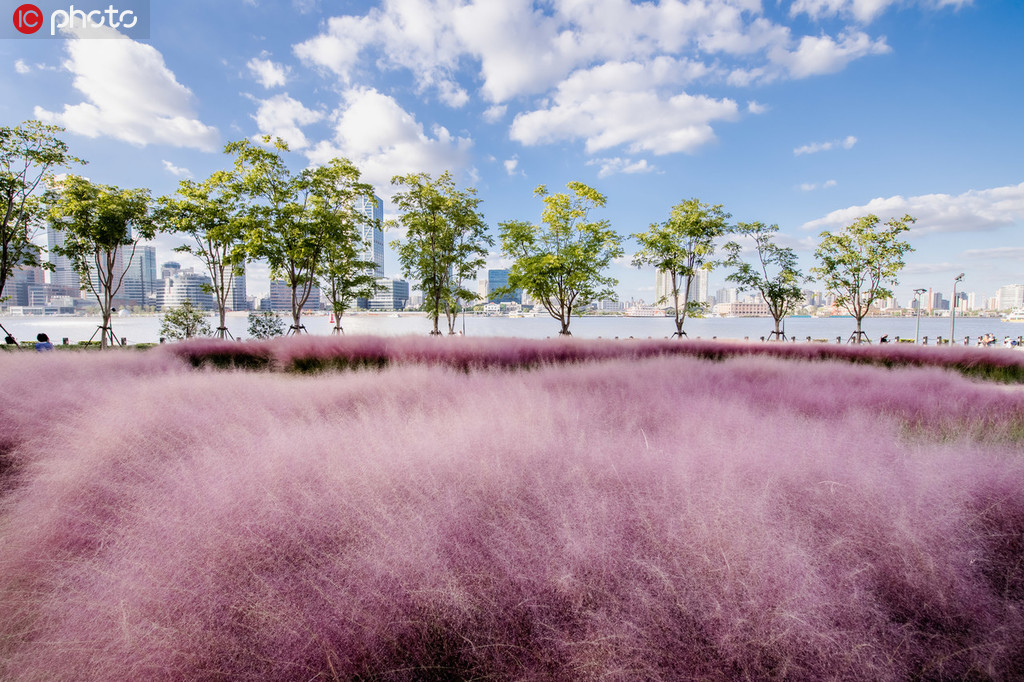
(645, 311)
(1015, 315)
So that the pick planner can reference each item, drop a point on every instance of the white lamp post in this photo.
(952, 307)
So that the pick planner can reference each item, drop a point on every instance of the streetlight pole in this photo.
(952, 307)
(917, 308)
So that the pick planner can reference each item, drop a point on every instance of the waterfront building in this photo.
(392, 294)
(281, 297)
(698, 288)
(497, 279)
(237, 299)
(1009, 297)
(63, 274)
(187, 285)
(373, 233)
(140, 278)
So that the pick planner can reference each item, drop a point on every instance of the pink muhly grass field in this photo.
(316, 353)
(662, 518)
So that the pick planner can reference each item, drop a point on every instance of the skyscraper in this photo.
(63, 276)
(373, 232)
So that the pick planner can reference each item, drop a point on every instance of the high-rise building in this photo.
(63, 275)
(140, 277)
(281, 297)
(373, 232)
(238, 301)
(392, 294)
(498, 279)
(1010, 296)
(187, 285)
(698, 287)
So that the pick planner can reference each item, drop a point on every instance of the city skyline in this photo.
(805, 113)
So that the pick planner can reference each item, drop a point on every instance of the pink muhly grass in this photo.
(658, 519)
(309, 353)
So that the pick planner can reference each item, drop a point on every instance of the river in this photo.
(146, 328)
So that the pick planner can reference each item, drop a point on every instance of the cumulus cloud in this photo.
(373, 131)
(621, 104)
(511, 166)
(864, 11)
(130, 95)
(21, 67)
(817, 55)
(566, 65)
(413, 34)
(616, 165)
(176, 170)
(495, 113)
(282, 116)
(972, 211)
(268, 73)
(845, 143)
(756, 107)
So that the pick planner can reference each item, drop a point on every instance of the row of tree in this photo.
(561, 262)
(308, 227)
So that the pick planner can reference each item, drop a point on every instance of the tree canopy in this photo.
(775, 275)
(445, 240)
(560, 263)
(102, 227)
(212, 214)
(28, 154)
(293, 219)
(859, 263)
(680, 247)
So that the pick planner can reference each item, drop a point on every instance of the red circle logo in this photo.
(28, 18)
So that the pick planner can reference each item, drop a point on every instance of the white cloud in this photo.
(813, 148)
(1008, 252)
(757, 108)
(620, 104)
(415, 34)
(811, 186)
(175, 170)
(281, 116)
(383, 140)
(864, 11)
(817, 55)
(613, 166)
(495, 113)
(130, 95)
(267, 73)
(21, 67)
(972, 211)
(511, 165)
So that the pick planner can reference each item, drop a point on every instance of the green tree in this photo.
(184, 322)
(28, 154)
(445, 241)
(775, 275)
(560, 263)
(294, 219)
(102, 227)
(345, 277)
(859, 263)
(680, 247)
(212, 214)
(265, 324)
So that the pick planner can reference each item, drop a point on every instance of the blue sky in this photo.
(804, 113)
